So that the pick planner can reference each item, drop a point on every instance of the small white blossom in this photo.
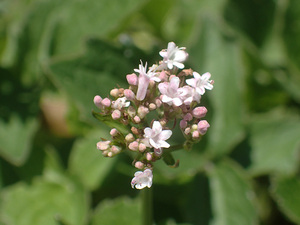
(144, 79)
(157, 137)
(174, 56)
(200, 83)
(188, 95)
(169, 91)
(120, 103)
(142, 179)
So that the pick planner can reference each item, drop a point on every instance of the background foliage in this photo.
(57, 55)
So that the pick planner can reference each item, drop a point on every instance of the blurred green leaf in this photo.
(275, 144)
(94, 73)
(232, 195)
(286, 192)
(120, 211)
(222, 58)
(51, 200)
(87, 162)
(16, 138)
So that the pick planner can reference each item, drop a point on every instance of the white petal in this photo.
(165, 134)
(196, 75)
(156, 127)
(191, 82)
(164, 144)
(179, 65)
(180, 56)
(148, 132)
(206, 76)
(177, 101)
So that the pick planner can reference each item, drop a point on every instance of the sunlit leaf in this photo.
(120, 211)
(87, 162)
(232, 195)
(16, 138)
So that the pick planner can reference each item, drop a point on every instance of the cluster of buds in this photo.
(160, 96)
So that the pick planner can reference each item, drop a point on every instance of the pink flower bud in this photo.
(133, 146)
(183, 124)
(115, 149)
(142, 147)
(149, 156)
(116, 114)
(203, 125)
(114, 92)
(152, 106)
(129, 94)
(158, 152)
(137, 119)
(129, 137)
(142, 111)
(187, 131)
(188, 117)
(106, 102)
(103, 145)
(114, 132)
(97, 101)
(199, 112)
(195, 134)
(158, 102)
(132, 79)
(139, 165)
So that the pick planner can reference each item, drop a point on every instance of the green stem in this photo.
(147, 206)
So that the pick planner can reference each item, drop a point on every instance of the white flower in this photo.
(156, 136)
(200, 83)
(142, 179)
(188, 95)
(144, 79)
(120, 103)
(169, 91)
(174, 56)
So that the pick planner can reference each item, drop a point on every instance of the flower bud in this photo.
(195, 134)
(137, 119)
(142, 147)
(142, 111)
(114, 92)
(158, 152)
(97, 101)
(199, 112)
(131, 111)
(129, 94)
(149, 156)
(103, 145)
(116, 114)
(106, 102)
(132, 79)
(158, 102)
(139, 165)
(114, 132)
(152, 106)
(203, 125)
(115, 149)
(133, 146)
(163, 76)
(129, 137)
(188, 117)
(183, 124)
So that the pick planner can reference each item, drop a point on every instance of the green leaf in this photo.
(95, 72)
(87, 162)
(232, 195)
(275, 144)
(222, 58)
(120, 211)
(16, 138)
(286, 192)
(50, 200)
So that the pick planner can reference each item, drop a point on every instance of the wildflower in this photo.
(144, 80)
(142, 179)
(156, 136)
(173, 56)
(170, 94)
(200, 83)
(203, 125)
(120, 103)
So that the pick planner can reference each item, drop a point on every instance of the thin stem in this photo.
(147, 206)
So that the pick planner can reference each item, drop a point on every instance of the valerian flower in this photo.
(174, 56)
(200, 83)
(143, 80)
(170, 92)
(156, 136)
(142, 179)
(120, 103)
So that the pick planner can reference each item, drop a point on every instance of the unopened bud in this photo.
(195, 134)
(188, 117)
(142, 111)
(183, 124)
(152, 106)
(133, 146)
(116, 114)
(115, 149)
(203, 125)
(149, 156)
(106, 102)
(137, 119)
(131, 111)
(139, 165)
(129, 94)
(158, 102)
(129, 137)
(142, 147)
(114, 132)
(97, 101)
(132, 79)
(187, 131)
(103, 145)
(199, 112)
(114, 92)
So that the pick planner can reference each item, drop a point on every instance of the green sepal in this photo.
(170, 161)
(108, 120)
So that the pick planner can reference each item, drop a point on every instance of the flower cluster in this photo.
(160, 96)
